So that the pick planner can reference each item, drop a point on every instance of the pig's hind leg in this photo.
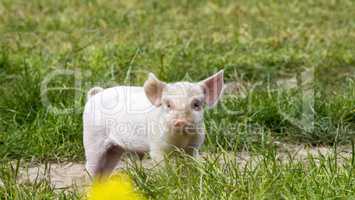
(105, 160)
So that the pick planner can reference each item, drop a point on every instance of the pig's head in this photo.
(182, 103)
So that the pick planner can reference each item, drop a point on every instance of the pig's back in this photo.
(122, 99)
(122, 112)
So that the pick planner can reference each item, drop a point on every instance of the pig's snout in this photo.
(180, 123)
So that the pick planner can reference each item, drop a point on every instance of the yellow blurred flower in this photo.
(117, 187)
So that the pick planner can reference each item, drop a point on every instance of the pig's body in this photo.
(115, 111)
(124, 119)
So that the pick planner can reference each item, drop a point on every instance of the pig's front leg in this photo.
(157, 155)
(159, 149)
(196, 141)
(193, 150)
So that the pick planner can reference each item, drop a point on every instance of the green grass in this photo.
(257, 43)
(221, 178)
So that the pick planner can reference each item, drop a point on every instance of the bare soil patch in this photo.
(70, 174)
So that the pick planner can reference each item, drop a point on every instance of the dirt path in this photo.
(67, 175)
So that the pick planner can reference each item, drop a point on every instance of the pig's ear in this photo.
(153, 89)
(213, 86)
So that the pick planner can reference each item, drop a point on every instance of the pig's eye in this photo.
(168, 105)
(196, 105)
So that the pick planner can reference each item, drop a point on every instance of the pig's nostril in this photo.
(180, 123)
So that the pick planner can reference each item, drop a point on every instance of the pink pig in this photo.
(155, 118)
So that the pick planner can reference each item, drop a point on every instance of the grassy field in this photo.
(294, 62)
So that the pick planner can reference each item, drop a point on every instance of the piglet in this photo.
(156, 118)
